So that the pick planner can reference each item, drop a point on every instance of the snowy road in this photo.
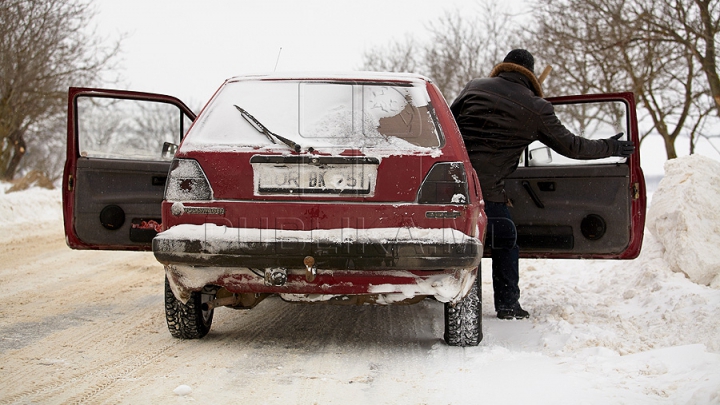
(68, 336)
(88, 327)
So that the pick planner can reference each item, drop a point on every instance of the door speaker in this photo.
(112, 217)
(593, 227)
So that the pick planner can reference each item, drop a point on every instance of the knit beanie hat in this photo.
(521, 57)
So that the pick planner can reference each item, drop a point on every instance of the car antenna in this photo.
(278, 59)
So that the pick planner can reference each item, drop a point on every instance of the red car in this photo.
(346, 188)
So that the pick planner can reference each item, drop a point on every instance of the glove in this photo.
(620, 148)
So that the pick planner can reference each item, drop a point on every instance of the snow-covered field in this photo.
(88, 327)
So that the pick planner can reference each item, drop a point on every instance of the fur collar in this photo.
(511, 67)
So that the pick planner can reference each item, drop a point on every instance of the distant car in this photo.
(346, 188)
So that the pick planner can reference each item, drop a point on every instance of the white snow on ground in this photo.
(33, 206)
(601, 332)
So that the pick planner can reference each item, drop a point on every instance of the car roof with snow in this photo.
(359, 75)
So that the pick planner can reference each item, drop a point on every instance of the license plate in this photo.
(273, 178)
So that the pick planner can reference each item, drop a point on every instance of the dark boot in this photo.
(516, 312)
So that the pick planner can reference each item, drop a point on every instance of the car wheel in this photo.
(463, 321)
(188, 321)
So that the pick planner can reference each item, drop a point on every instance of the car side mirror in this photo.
(539, 157)
(168, 150)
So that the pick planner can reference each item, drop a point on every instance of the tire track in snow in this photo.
(82, 363)
(296, 351)
(114, 346)
(90, 383)
(75, 322)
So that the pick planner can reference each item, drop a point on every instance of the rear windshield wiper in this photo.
(263, 130)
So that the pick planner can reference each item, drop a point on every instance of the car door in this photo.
(119, 148)
(565, 208)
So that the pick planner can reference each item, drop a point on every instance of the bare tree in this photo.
(398, 56)
(462, 46)
(693, 25)
(662, 50)
(46, 151)
(611, 45)
(46, 45)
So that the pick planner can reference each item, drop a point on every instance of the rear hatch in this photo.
(324, 154)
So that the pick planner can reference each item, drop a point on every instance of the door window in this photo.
(115, 128)
(591, 120)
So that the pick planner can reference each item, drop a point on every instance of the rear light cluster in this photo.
(445, 183)
(187, 182)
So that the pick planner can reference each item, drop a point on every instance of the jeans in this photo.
(502, 239)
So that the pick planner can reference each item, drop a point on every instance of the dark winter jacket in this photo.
(501, 115)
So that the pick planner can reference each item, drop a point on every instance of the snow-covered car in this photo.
(344, 188)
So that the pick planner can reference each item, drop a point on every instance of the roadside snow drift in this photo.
(685, 219)
(36, 206)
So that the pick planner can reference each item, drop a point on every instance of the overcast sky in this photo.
(188, 48)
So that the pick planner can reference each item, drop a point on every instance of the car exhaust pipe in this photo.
(230, 301)
(238, 301)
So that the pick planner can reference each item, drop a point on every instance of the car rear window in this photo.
(317, 114)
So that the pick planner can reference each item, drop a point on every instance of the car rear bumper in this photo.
(335, 286)
(334, 249)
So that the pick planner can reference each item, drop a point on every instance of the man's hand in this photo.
(620, 148)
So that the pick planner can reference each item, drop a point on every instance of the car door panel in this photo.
(115, 200)
(565, 208)
(583, 211)
(120, 145)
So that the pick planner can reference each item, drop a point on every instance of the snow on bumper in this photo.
(384, 287)
(391, 264)
(333, 249)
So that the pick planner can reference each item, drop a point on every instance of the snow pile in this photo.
(37, 205)
(685, 219)
(622, 308)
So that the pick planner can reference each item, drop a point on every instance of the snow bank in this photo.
(35, 205)
(685, 219)
(625, 307)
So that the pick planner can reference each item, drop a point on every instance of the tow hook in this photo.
(310, 269)
(275, 277)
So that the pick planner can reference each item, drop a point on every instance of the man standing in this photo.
(499, 117)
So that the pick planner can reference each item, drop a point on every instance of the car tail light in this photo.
(445, 183)
(187, 182)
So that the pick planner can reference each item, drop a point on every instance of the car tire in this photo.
(463, 321)
(188, 321)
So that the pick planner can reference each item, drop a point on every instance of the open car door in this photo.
(119, 148)
(565, 208)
